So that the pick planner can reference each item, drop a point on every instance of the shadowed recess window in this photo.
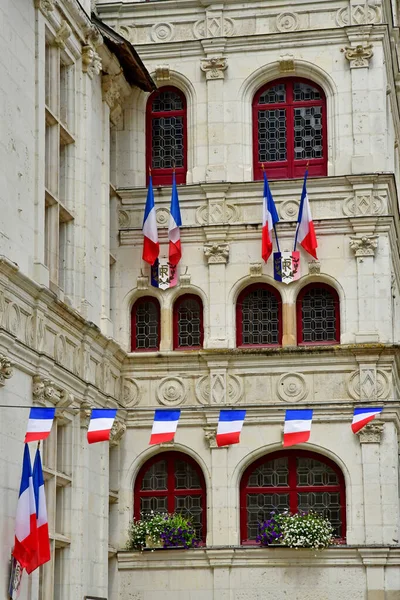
(188, 322)
(295, 481)
(289, 129)
(172, 482)
(145, 324)
(318, 315)
(166, 135)
(258, 316)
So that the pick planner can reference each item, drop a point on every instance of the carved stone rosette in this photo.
(358, 56)
(371, 433)
(216, 253)
(214, 67)
(365, 245)
(6, 369)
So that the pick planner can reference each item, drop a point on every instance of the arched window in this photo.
(259, 316)
(166, 145)
(291, 480)
(289, 129)
(172, 482)
(145, 325)
(188, 323)
(318, 315)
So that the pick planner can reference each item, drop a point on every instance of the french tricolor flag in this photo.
(100, 425)
(151, 247)
(362, 416)
(297, 427)
(164, 426)
(175, 222)
(229, 427)
(270, 218)
(39, 424)
(25, 546)
(43, 548)
(305, 233)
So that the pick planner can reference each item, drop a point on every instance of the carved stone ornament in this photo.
(110, 89)
(171, 391)
(130, 392)
(216, 388)
(314, 267)
(162, 32)
(288, 210)
(216, 253)
(214, 67)
(363, 204)
(142, 282)
(162, 217)
(359, 14)
(213, 26)
(210, 434)
(123, 218)
(162, 73)
(91, 61)
(62, 34)
(43, 389)
(117, 431)
(6, 369)
(185, 279)
(371, 433)
(287, 21)
(358, 56)
(365, 245)
(292, 387)
(286, 63)
(255, 269)
(217, 212)
(66, 399)
(45, 6)
(368, 383)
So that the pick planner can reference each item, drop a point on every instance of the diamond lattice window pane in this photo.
(260, 318)
(318, 316)
(167, 101)
(186, 477)
(324, 503)
(146, 318)
(274, 473)
(313, 472)
(189, 323)
(259, 508)
(167, 142)
(191, 508)
(272, 135)
(273, 95)
(153, 504)
(308, 134)
(155, 477)
(304, 92)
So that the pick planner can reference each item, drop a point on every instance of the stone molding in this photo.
(371, 434)
(359, 55)
(45, 6)
(162, 32)
(365, 245)
(216, 253)
(214, 67)
(6, 369)
(63, 33)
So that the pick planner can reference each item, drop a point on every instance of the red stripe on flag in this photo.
(310, 243)
(25, 552)
(175, 253)
(225, 439)
(158, 438)
(291, 439)
(266, 248)
(151, 251)
(98, 436)
(35, 436)
(360, 424)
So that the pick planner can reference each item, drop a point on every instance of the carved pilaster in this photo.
(214, 67)
(365, 245)
(371, 433)
(216, 252)
(6, 369)
(359, 55)
(62, 34)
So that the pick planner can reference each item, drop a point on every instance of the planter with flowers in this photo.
(161, 531)
(300, 530)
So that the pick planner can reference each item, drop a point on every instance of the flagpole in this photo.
(298, 223)
(274, 224)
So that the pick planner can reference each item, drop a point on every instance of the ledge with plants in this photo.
(299, 530)
(157, 530)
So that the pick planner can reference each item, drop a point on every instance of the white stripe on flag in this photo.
(150, 226)
(22, 520)
(42, 516)
(100, 424)
(229, 426)
(363, 416)
(164, 427)
(35, 425)
(297, 426)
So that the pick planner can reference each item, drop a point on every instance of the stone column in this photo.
(221, 562)
(375, 560)
(364, 247)
(214, 66)
(218, 493)
(370, 438)
(217, 254)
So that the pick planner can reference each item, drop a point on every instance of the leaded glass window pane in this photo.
(186, 477)
(153, 504)
(191, 508)
(260, 318)
(313, 472)
(259, 508)
(308, 135)
(274, 94)
(155, 477)
(304, 92)
(146, 320)
(167, 101)
(272, 135)
(318, 316)
(167, 142)
(273, 473)
(324, 503)
(189, 323)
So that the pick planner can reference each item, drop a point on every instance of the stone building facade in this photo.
(240, 85)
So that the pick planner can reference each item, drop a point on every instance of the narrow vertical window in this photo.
(318, 315)
(258, 316)
(188, 323)
(145, 325)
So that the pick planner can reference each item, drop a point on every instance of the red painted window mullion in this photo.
(171, 483)
(292, 465)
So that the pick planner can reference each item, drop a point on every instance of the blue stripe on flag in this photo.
(26, 471)
(175, 210)
(42, 413)
(37, 478)
(149, 200)
(298, 415)
(167, 415)
(360, 411)
(232, 415)
(103, 413)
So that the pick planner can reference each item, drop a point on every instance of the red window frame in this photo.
(139, 301)
(177, 304)
(239, 315)
(299, 314)
(290, 168)
(170, 457)
(164, 176)
(293, 489)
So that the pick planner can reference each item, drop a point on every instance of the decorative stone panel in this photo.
(217, 388)
(371, 433)
(6, 369)
(368, 383)
(362, 205)
(292, 387)
(359, 14)
(130, 392)
(162, 32)
(171, 391)
(255, 269)
(162, 73)
(217, 212)
(214, 25)
(210, 434)
(286, 63)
